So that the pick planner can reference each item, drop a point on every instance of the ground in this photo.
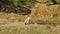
(21, 28)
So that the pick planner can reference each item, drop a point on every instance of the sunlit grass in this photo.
(28, 30)
(6, 18)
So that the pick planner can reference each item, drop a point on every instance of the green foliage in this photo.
(22, 2)
(17, 2)
(58, 1)
(49, 2)
(52, 1)
(30, 2)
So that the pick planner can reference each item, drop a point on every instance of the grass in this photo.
(51, 22)
(19, 30)
(6, 22)
(30, 29)
(10, 18)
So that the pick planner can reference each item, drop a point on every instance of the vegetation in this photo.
(30, 29)
(13, 13)
(16, 6)
(24, 6)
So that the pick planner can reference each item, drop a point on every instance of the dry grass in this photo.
(6, 18)
(20, 28)
(45, 15)
(16, 27)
